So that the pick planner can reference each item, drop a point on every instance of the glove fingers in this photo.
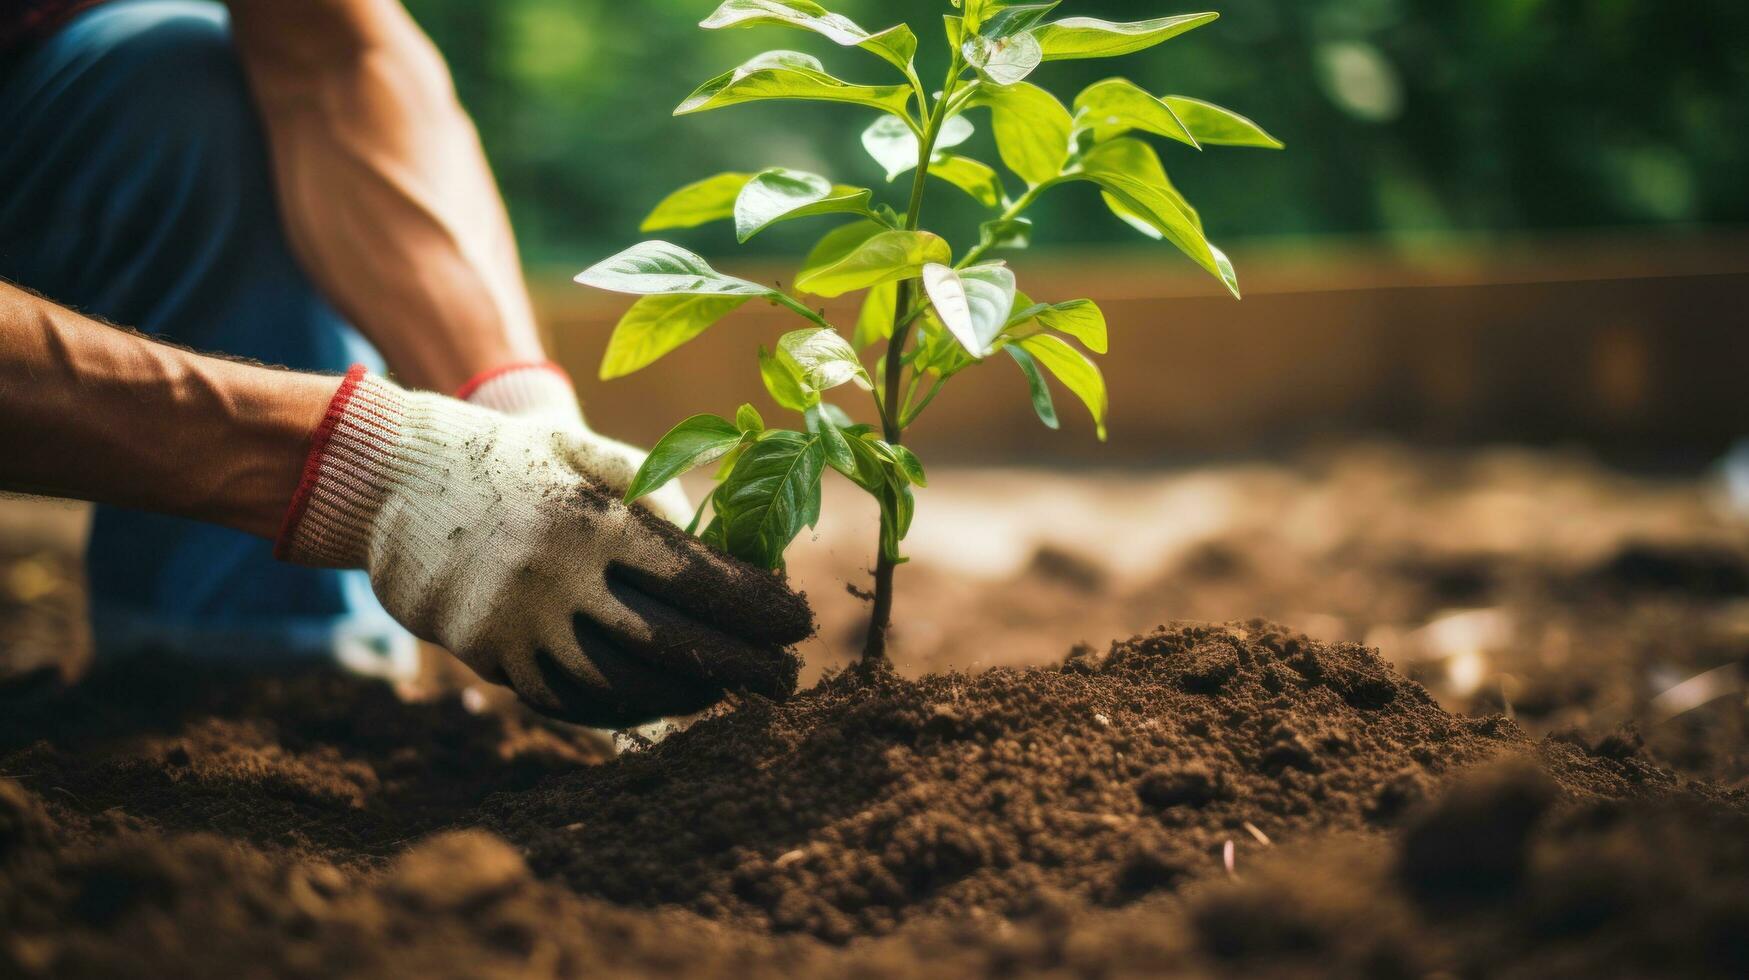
(753, 605)
(679, 646)
(579, 674)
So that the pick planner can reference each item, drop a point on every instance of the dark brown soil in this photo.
(1075, 818)
(1496, 879)
(1526, 798)
(321, 764)
(866, 805)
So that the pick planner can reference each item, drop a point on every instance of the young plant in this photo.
(926, 316)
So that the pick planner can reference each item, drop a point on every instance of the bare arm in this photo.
(96, 413)
(385, 191)
(478, 530)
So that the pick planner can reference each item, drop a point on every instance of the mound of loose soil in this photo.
(1072, 820)
(1496, 880)
(865, 805)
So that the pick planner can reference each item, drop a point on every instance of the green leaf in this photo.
(1013, 233)
(778, 194)
(894, 146)
(1032, 129)
(789, 75)
(1086, 37)
(1224, 268)
(1075, 370)
(1042, 404)
(879, 471)
(711, 199)
(1216, 126)
(884, 257)
(837, 244)
(974, 177)
(773, 493)
(1081, 319)
(727, 466)
(956, 28)
(990, 293)
(784, 383)
(910, 465)
(1132, 216)
(1138, 190)
(870, 471)
(1007, 19)
(832, 441)
(973, 303)
(875, 323)
(749, 421)
(1136, 160)
(1115, 106)
(884, 449)
(697, 515)
(938, 351)
(898, 506)
(897, 45)
(650, 268)
(810, 517)
(947, 294)
(698, 440)
(822, 359)
(656, 325)
(1003, 61)
(713, 532)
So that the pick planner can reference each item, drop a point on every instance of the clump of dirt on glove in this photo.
(751, 604)
(869, 803)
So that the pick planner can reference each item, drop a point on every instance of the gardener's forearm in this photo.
(93, 412)
(385, 191)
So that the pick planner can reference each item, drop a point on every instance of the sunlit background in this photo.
(1496, 220)
(1402, 117)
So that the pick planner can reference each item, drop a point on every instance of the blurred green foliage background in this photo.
(1401, 116)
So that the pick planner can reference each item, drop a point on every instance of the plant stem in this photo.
(912, 414)
(905, 413)
(801, 309)
(1014, 211)
(874, 649)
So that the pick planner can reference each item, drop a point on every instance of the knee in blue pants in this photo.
(136, 188)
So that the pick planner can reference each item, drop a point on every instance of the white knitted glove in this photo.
(543, 391)
(481, 534)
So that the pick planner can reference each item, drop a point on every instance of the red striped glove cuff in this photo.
(344, 480)
(527, 389)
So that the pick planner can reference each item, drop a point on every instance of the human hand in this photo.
(483, 534)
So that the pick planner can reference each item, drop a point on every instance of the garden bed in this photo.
(1197, 796)
(1236, 797)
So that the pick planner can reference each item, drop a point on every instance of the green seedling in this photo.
(926, 314)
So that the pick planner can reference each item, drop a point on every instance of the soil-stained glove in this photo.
(543, 392)
(481, 534)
